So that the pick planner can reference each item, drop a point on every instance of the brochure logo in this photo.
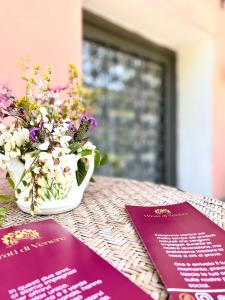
(13, 238)
(185, 296)
(203, 296)
(162, 211)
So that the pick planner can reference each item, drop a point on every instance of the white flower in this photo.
(3, 161)
(47, 159)
(28, 161)
(12, 127)
(15, 139)
(15, 153)
(42, 85)
(4, 137)
(36, 169)
(26, 134)
(58, 151)
(21, 136)
(2, 127)
(89, 146)
(64, 140)
(58, 100)
(59, 131)
(41, 181)
(45, 170)
(38, 119)
(44, 146)
(7, 147)
(43, 111)
(43, 156)
(49, 126)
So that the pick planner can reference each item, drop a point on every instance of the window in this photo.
(136, 102)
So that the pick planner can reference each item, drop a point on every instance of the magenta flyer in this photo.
(42, 260)
(186, 248)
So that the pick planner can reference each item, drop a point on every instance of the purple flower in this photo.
(84, 118)
(91, 120)
(22, 113)
(51, 100)
(3, 114)
(71, 125)
(32, 133)
(41, 125)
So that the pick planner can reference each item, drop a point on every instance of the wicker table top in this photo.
(102, 223)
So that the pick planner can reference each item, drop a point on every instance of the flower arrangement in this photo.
(48, 131)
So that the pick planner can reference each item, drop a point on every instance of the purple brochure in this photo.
(186, 248)
(42, 260)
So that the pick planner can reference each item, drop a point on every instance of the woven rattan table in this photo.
(102, 223)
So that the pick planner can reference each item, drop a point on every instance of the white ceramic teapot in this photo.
(52, 206)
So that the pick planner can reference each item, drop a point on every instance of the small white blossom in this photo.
(44, 156)
(14, 153)
(58, 151)
(49, 126)
(47, 159)
(36, 170)
(43, 111)
(42, 85)
(41, 181)
(89, 146)
(38, 119)
(7, 147)
(44, 146)
(2, 127)
(59, 132)
(4, 137)
(3, 161)
(64, 140)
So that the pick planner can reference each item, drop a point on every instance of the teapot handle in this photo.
(91, 165)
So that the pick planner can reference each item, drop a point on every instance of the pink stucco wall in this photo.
(48, 31)
(218, 155)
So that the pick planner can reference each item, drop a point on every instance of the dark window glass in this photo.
(133, 106)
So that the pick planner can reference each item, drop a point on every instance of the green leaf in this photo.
(7, 198)
(18, 191)
(86, 152)
(104, 160)
(81, 171)
(10, 181)
(3, 212)
(97, 158)
(75, 146)
(36, 153)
